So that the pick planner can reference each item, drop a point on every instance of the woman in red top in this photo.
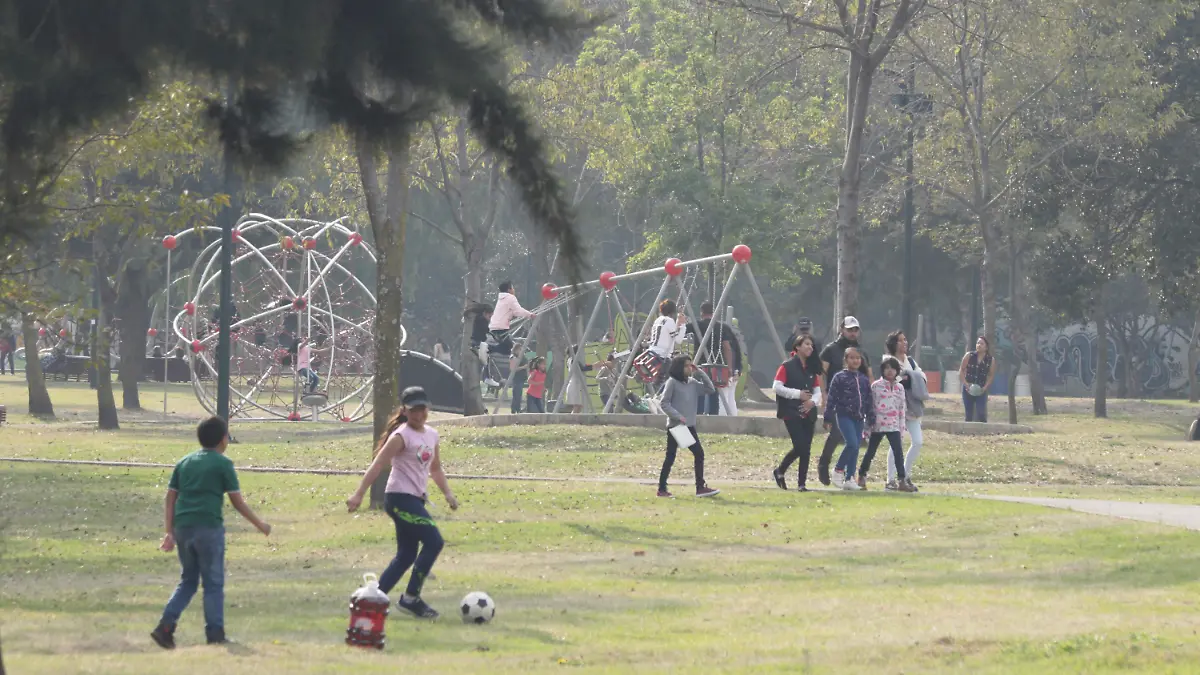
(535, 393)
(797, 392)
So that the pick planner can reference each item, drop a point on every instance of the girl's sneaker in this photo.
(779, 479)
(706, 491)
(664, 493)
(891, 486)
(417, 608)
(908, 486)
(862, 481)
(850, 485)
(839, 476)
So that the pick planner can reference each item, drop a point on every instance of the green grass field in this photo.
(604, 577)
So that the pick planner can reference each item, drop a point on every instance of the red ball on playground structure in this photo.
(197, 347)
(294, 417)
(741, 254)
(237, 234)
(548, 292)
(299, 303)
(153, 332)
(62, 333)
(190, 308)
(169, 242)
(347, 419)
(606, 280)
(310, 243)
(673, 268)
(355, 239)
(42, 332)
(288, 243)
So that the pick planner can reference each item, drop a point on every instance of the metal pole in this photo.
(226, 311)
(619, 387)
(167, 338)
(906, 305)
(762, 304)
(508, 380)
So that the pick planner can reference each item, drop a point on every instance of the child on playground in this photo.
(535, 395)
(507, 309)
(411, 447)
(685, 385)
(195, 528)
(890, 411)
(848, 402)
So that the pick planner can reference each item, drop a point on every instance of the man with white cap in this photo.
(831, 363)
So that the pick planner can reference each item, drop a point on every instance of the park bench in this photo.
(67, 367)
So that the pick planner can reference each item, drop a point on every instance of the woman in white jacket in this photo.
(916, 391)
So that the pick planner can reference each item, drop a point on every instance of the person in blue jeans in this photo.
(847, 404)
(196, 530)
(976, 372)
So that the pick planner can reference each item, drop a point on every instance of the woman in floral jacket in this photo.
(890, 410)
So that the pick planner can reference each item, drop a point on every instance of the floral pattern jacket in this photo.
(890, 406)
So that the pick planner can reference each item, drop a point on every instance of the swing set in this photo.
(635, 361)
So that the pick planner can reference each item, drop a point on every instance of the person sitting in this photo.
(507, 309)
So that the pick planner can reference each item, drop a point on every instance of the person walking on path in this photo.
(196, 530)
(887, 394)
(916, 393)
(848, 403)
(685, 385)
(832, 361)
(797, 393)
(412, 449)
(976, 372)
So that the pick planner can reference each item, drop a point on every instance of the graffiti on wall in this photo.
(1158, 355)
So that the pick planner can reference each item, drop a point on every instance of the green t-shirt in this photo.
(202, 479)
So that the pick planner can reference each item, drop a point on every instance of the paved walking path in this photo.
(1179, 515)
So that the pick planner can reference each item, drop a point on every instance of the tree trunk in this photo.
(1036, 389)
(133, 312)
(106, 403)
(389, 221)
(1100, 381)
(849, 242)
(1122, 374)
(39, 396)
(987, 280)
(473, 292)
(1193, 360)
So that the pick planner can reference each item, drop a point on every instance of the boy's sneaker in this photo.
(490, 382)
(664, 493)
(417, 608)
(891, 486)
(850, 486)
(706, 491)
(801, 488)
(779, 479)
(216, 636)
(164, 636)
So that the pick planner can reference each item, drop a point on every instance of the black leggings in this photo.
(414, 526)
(833, 440)
(873, 445)
(801, 431)
(672, 447)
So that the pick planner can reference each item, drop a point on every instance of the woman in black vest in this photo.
(797, 394)
(976, 372)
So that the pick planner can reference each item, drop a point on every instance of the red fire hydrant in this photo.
(368, 613)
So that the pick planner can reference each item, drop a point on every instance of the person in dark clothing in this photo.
(832, 363)
(723, 350)
(8, 347)
(804, 326)
(797, 394)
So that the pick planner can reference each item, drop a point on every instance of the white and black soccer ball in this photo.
(477, 607)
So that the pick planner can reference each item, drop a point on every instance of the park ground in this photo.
(593, 573)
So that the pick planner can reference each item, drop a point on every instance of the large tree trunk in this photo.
(133, 312)
(473, 292)
(388, 224)
(1036, 389)
(39, 396)
(849, 242)
(1100, 381)
(106, 403)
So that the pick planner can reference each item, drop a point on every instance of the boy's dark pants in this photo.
(202, 559)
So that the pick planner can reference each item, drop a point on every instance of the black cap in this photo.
(804, 322)
(414, 397)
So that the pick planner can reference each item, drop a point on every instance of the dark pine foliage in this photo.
(375, 67)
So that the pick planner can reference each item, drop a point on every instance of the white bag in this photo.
(682, 435)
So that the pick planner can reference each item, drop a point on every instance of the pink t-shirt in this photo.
(410, 467)
(303, 357)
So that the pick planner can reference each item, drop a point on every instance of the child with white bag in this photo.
(685, 385)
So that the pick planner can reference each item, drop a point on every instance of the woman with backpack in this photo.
(916, 393)
(976, 372)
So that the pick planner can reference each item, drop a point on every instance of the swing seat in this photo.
(719, 373)
(649, 366)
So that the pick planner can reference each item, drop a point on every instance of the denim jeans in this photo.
(852, 431)
(976, 406)
(534, 404)
(202, 559)
(311, 379)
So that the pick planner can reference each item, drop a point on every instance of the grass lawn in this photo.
(606, 578)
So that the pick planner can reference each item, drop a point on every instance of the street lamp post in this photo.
(912, 103)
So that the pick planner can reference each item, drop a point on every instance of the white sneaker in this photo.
(850, 485)
(490, 382)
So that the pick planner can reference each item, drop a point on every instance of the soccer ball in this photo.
(477, 607)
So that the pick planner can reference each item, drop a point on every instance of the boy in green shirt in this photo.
(195, 527)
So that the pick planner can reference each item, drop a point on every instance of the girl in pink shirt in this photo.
(412, 449)
(891, 407)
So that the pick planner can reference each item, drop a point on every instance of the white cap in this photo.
(850, 322)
